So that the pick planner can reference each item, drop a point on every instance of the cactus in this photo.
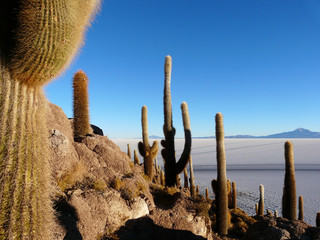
(81, 123)
(318, 219)
(289, 201)
(129, 151)
(162, 178)
(178, 180)
(172, 167)
(256, 208)
(185, 175)
(300, 208)
(234, 196)
(207, 195)
(222, 195)
(37, 41)
(197, 190)
(135, 157)
(156, 166)
(148, 153)
(276, 215)
(191, 179)
(261, 201)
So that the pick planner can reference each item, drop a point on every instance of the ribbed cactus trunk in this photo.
(25, 207)
(37, 41)
(135, 157)
(81, 123)
(185, 176)
(191, 179)
(289, 200)
(261, 201)
(148, 152)
(301, 215)
(171, 166)
(222, 194)
(129, 151)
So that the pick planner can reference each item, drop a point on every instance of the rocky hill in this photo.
(100, 194)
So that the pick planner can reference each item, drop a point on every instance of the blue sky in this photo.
(255, 61)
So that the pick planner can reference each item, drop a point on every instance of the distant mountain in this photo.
(298, 133)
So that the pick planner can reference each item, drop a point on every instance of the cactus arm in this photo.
(141, 148)
(183, 161)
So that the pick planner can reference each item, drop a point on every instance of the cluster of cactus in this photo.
(38, 39)
(171, 166)
(148, 152)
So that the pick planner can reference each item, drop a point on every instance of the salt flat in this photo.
(242, 151)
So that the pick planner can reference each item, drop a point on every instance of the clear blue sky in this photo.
(255, 61)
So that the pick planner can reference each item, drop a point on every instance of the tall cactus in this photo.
(148, 152)
(37, 41)
(289, 201)
(172, 167)
(222, 193)
(81, 123)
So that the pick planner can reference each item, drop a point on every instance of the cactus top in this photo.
(45, 36)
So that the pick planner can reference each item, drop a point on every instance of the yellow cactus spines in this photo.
(37, 40)
(46, 37)
(222, 191)
(173, 167)
(148, 152)
(289, 200)
(81, 123)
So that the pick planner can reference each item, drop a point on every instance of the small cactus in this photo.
(222, 194)
(276, 215)
(148, 152)
(289, 201)
(256, 208)
(129, 151)
(191, 179)
(173, 167)
(185, 175)
(300, 208)
(234, 196)
(261, 201)
(207, 195)
(162, 178)
(135, 157)
(318, 219)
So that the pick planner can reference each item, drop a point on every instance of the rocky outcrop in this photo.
(99, 192)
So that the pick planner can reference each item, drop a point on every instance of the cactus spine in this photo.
(261, 201)
(81, 123)
(148, 152)
(172, 167)
(222, 194)
(300, 208)
(37, 40)
(191, 179)
(289, 201)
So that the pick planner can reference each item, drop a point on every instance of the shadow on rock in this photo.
(68, 217)
(145, 229)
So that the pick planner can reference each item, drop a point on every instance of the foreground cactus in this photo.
(234, 195)
(81, 123)
(171, 166)
(289, 201)
(191, 179)
(148, 153)
(37, 41)
(222, 192)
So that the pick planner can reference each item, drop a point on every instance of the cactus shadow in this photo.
(67, 217)
(145, 229)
